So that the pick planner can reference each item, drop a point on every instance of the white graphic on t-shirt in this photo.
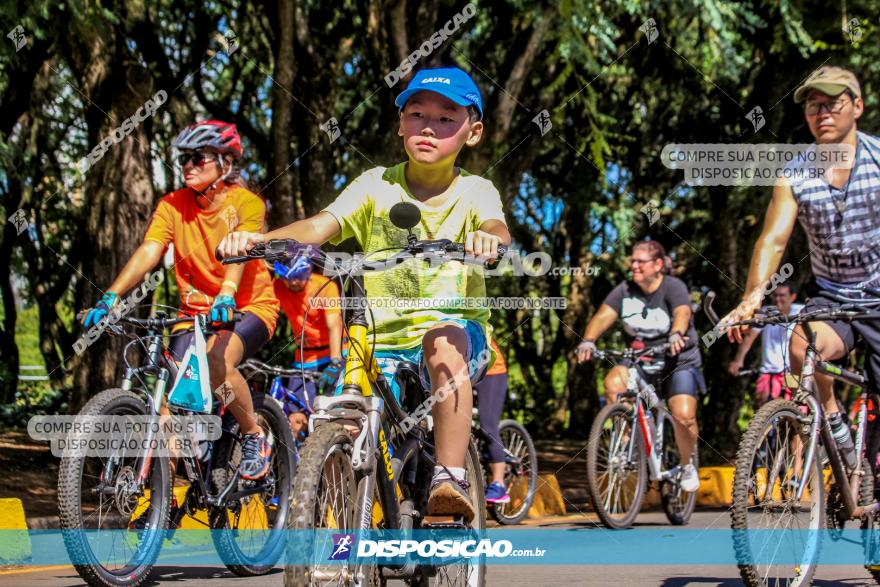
(641, 321)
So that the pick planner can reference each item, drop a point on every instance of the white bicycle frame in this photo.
(652, 434)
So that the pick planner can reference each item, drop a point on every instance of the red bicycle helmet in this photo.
(215, 135)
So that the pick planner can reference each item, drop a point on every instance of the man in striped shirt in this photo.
(840, 214)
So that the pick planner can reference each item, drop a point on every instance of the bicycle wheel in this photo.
(324, 498)
(469, 572)
(520, 475)
(776, 535)
(98, 497)
(616, 478)
(677, 504)
(249, 533)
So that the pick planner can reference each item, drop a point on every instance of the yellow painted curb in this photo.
(716, 486)
(16, 543)
(251, 520)
(548, 498)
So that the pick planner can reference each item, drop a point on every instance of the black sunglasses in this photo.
(197, 159)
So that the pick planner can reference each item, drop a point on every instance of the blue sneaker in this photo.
(496, 493)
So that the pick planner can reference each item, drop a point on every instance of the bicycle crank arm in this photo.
(220, 500)
(866, 510)
(245, 492)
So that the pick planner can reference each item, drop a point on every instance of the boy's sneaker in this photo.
(690, 479)
(255, 453)
(449, 497)
(496, 493)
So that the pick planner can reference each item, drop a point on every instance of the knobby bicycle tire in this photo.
(70, 503)
(225, 523)
(746, 487)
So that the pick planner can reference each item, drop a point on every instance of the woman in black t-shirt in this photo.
(655, 308)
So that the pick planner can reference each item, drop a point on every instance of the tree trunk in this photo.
(118, 189)
(9, 358)
(280, 192)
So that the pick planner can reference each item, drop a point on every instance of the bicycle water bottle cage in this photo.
(411, 392)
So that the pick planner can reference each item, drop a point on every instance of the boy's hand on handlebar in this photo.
(677, 342)
(479, 243)
(585, 350)
(239, 243)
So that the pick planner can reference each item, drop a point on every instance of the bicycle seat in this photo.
(410, 384)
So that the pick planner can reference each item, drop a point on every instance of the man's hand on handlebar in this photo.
(239, 243)
(585, 350)
(744, 311)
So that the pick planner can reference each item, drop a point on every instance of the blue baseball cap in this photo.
(449, 82)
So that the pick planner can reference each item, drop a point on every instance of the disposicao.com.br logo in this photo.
(435, 548)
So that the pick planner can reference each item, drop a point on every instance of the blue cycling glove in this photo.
(223, 309)
(329, 376)
(101, 309)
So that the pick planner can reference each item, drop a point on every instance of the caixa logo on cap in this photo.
(343, 544)
(436, 80)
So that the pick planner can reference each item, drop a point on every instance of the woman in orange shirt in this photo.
(491, 392)
(195, 219)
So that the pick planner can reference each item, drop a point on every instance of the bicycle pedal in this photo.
(445, 522)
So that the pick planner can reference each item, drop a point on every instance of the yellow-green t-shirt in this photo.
(362, 211)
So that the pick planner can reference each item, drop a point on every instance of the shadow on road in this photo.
(717, 582)
(170, 574)
(162, 575)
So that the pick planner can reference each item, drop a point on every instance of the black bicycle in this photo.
(129, 493)
(780, 505)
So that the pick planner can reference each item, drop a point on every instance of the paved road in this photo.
(635, 575)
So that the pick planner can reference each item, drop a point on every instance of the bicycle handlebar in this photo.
(160, 321)
(631, 353)
(848, 310)
(443, 249)
(255, 365)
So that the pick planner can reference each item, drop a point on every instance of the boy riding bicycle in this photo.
(441, 111)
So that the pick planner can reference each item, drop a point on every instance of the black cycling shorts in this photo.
(250, 329)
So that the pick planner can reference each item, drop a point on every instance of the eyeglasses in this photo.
(641, 261)
(813, 108)
(197, 159)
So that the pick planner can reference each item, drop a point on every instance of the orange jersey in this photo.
(295, 305)
(499, 367)
(196, 233)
